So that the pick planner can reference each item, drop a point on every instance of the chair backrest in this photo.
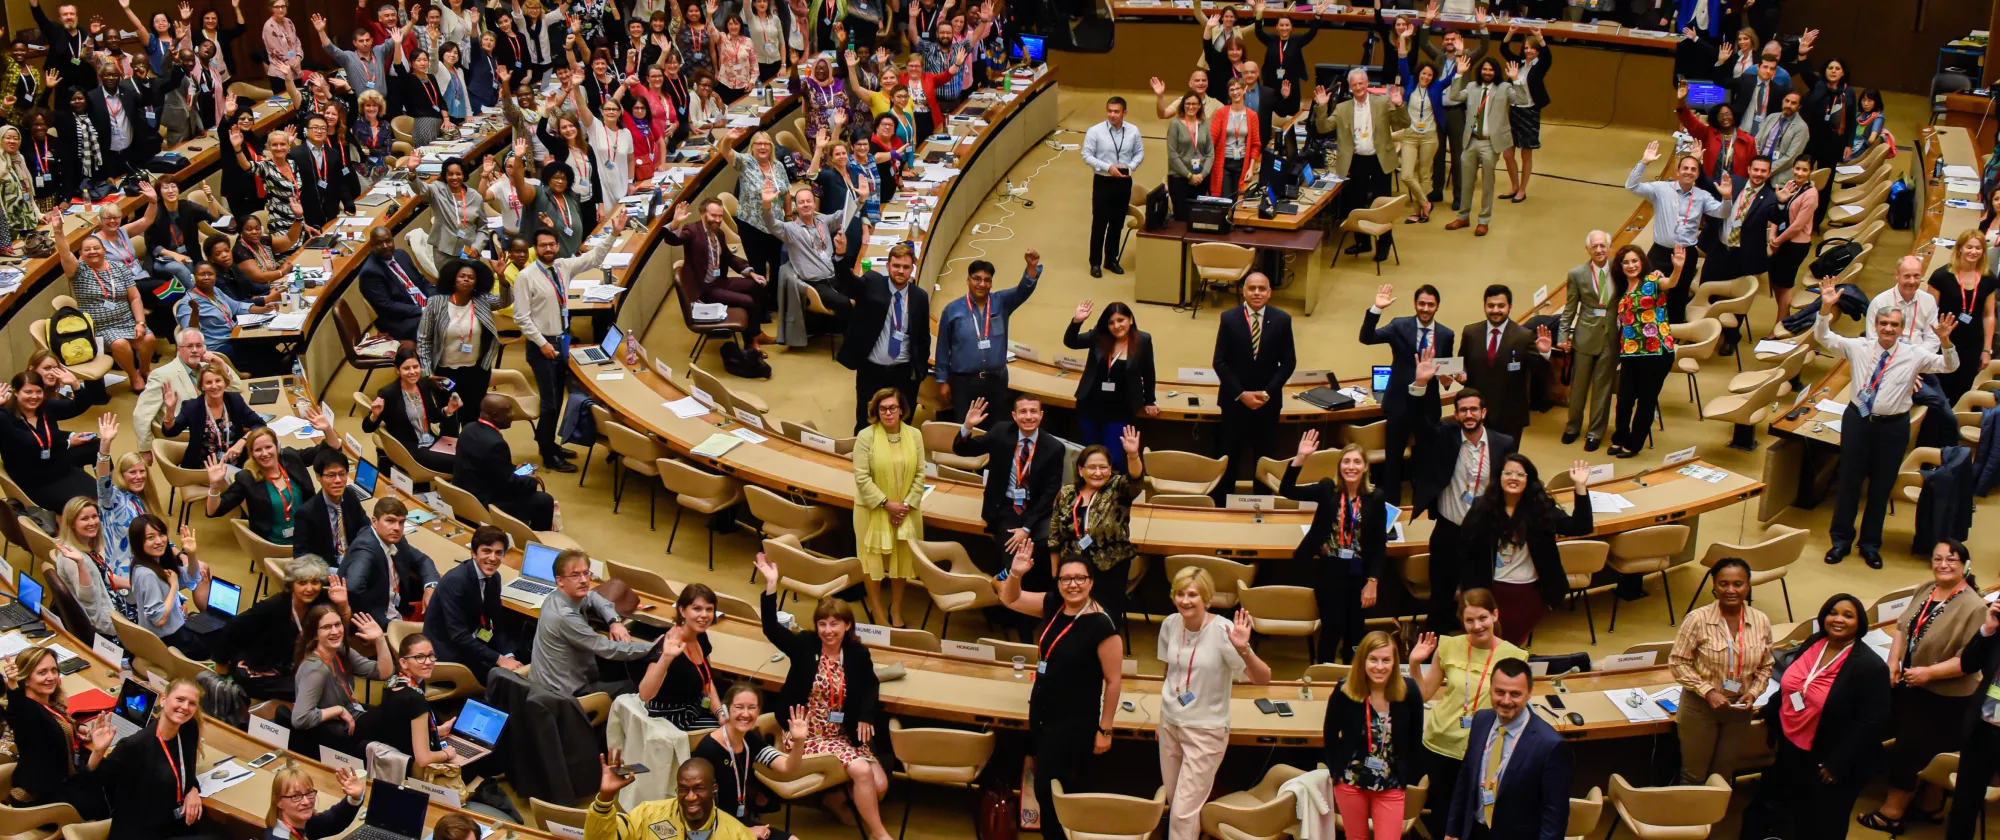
(1661, 648)
(797, 565)
(728, 604)
(910, 638)
(1181, 500)
(1221, 260)
(1674, 805)
(543, 813)
(1585, 813)
(1370, 436)
(40, 544)
(517, 531)
(1279, 603)
(1104, 816)
(938, 435)
(1172, 465)
(937, 755)
(1004, 650)
(1653, 541)
(398, 630)
(780, 515)
(1226, 575)
(641, 580)
(464, 506)
(688, 480)
(348, 327)
(1326, 673)
(1582, 558)
(631, 443)
(1415, 573)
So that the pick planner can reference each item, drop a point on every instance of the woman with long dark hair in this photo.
(326, 710)
(1118, 378)
(1645, 345)
(36, 451)
(1344, 545)
(458, 338)
(1929, 687)
(1725, 146)
(1826, 721)
(160, 570)
(1793, 243)
(1510, 542)
(1092, 518)
(1830, 108)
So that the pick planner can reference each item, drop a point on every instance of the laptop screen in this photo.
(135, 701)
(396, 809)
(225, 597)
(30, 593)
(539, 562)
(480, 723)
(612, 338)
(365, 476)
(1031, 47)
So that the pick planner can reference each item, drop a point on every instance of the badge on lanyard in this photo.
(1965, 317)
(1731, 686)
(1467, 497)
(1041, 667)
(1083, 543)
(483, 634)
(836, 718)
(1186, 698)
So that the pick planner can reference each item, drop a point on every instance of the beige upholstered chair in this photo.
(1219, 266)
(1585, 814)
(1108, 816)
(814, 775)
(1282, 611)
(1378, 220)
(1582, 560)
(399, 455)
(1648, 551)
(938, 436)
(93, 370)
(464, 506)
(962, 588)
(637, 453)
(256, 548)
(1414, 572)
(1227, 575)
(1694, 343)
(641, 580)
(1675, 812)
(542, 813)
(951, 758)
(1260, 813)
(1183, 473)
(1004, 650)
(99, 830)
(778, 516)
(806, 574)
(1769, 558)
(521, 534)
(698, 490)
(189, 486)
(37, 823)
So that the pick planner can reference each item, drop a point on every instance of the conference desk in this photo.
(1173, 244)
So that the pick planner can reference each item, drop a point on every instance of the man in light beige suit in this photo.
(178, 374)
(1367, 156)
(1590, 327)
(1488, 101)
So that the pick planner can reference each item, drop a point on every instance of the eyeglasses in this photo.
(1513, 474)
(580, 574)
(421, 657)
(1073, 580)
(301, 795)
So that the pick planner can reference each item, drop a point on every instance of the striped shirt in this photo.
(1706, 651)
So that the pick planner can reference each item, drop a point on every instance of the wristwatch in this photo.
(1105, 732)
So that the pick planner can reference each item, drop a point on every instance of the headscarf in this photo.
(15, 165)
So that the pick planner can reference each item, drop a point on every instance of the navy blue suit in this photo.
(1533, 800)
(1401, 335)
(397, 312)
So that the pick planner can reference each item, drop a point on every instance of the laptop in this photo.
(134, 708)
(366, 476)
(477, 731)
(394, 813)
(27, 606)
(225, 601)
(537, 578)
(602, 352)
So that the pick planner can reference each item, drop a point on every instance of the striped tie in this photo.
(1256, 332)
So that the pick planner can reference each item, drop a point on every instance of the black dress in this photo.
(1968, 335)
(1063, 708)
(146, 778)
(684, 688)
(239, 185)
(51, 769)
(389, 722)
(38, 458)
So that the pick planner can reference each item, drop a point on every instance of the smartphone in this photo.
(262, 760)
(525, 469)
(1284, 708)
(626, 771)
(1265, 705)
(1555, 701)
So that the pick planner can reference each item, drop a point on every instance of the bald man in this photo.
(485, 468)
(690, 814)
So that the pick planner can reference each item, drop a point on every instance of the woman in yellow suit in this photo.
(889, 495)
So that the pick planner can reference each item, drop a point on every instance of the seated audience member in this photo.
(160, 570)
(56, 757)
(215, 419)
(814, 243)
(405, 720)
(212, 310)
(417, 412)
(263, 266)
(739, 746)
(832, 684)
(466, 620)
(296, 802)
(679, 685)
(36, 451)
(485, 468)
(260, 643)
(393, 287)
(328, 523)
(387, 577)
(177, 375)
(692, 812)
(149, 777)
(84, 571)
(325, 666)
(707, 261)
(273, 486)
(567, 647)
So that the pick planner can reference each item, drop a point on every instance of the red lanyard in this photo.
(338, 667)
(1924, 616)
(1281, 53)
(1368, 719)
(1968, 295)
(562, 210)
(1191, 641)
(48, 440)
(285, 494)
(1078, 511)
(430, 92)
(180, 779)
(290, 831)
(44, 157)
(1051, 647)
(1479, 475)
(319, 162)
(465, 206)
(1472, 697)
(986, 328)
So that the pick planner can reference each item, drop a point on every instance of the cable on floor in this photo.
(1005, 202)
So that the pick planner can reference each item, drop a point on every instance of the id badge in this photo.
(1375, 765)
(322, 183)
(570, 231)
(42, 179)
(1344, 553)
(285, 532)
(1798, 702)
(986, 344)
(1281, 72)
(1466, 497)
(149, 115)
(483, 634)
(1965, 317)
(1465, 722)
(1041, 668)
(1513, 366)
(1599, 312)
(1107, 386)
(1084, 543)
(836, 718)
(1731, 687)
(1486, 795)
(1019, 494)
(45, 454)
(739, 808)
(1185, 698)
(465, 347)
(425, 439)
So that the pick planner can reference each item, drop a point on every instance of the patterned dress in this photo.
(823, 736)
(1642, 320)
(281, 185)
(102, 296)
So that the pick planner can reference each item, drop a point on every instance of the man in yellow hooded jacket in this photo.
(690, 815)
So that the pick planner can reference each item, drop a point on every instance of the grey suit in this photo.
(1484, 139)
(1590, 324)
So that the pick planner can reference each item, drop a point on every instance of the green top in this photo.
(278, 527)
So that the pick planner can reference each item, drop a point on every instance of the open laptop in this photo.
(225, 601)
(602, 352)
(394, 813)
(537, 579)
(477, 731)
(134, 708)
(365, 478)
(27, 606)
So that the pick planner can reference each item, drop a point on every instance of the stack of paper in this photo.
(1708, 474)
(602, 293)
(226, 775)
(1774, 348)
(686, 407)
(717, 445)
(618, 260)
(1602, 502)
(1961, 171)
(1831, 407)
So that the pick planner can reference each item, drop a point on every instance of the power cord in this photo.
(1005, 201)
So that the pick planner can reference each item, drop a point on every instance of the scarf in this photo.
(15, 165)
(87, 153)
(893, 466)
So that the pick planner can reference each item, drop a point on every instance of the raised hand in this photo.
(1396, 95)
(319, 22)
(1579, 474)
(187, 539)
(680, 212)
(375, 409)
(1680, 258)
(1308, 444)
(1829, 296)
(217, 471)
(1422, 650)
(1464, 64)
(107, 428)
(1427, 365)
(798, 729)
(1083, 308)
(769, 570)
(336, 590)
(1031, 258)
(975, 413)
(1159, 87)
(1321, 96)
(1513, 70)
(1651, 154)
(1239, 630)
(1544, 342)
(365, 627)
(1385, 295)
(1130, 440)
(1681, 92)
(1023, 561)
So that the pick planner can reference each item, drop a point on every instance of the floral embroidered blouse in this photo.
(1642, 320)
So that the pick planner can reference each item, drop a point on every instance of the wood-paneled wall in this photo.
(1888, 44)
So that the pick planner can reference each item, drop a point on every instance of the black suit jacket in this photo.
(322, 204)
(459, 608)
(396, 419)
(1436, 451)
(1752, 255)
(1503, 385)
(1743, 90)
(63, 55)
(1045, 478)
(1241, 370)
(145, 127)
(1346, 736)
(862, 689)
(312, 527)
(396, 312)
(1533, 800)
(192, 418)
(1855, 718)
(1326, 493)
(871, 317)
(1401, 336)
(1135, 388)
(485, 467)
(1479, 547)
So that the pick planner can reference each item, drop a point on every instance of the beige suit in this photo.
(174, 374)
(1590, 324)
(1387, 119)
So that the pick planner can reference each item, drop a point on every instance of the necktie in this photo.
(1020, 467)
(1736, 217)
(895, 325)
(339, 529)
(1492, 344)
(415, 293)
(1771, 141)
(562, 293)
(1757, 103)
(1874, 384)
(1423, 339)
(1479, 130)
(1489, 781)
(1256, 332)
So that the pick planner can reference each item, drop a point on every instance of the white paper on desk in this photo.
(560, 830)
(248, 321)
(1769, 347)
(1636, 705)
(226, 775)
(1833, 425)
(1893, 609)
(686, 407)
(286, 425)
(1879, 640)
(1602, 502)
(1961, 171)
(602, 294)
(618, 260)
(270, 732)
(289, 322)
(1831, 407)
(610, 377)
(14, 642)
(748, 435)
(1848, 170)
(1957, 188)
(884, 240)
(1671, 694)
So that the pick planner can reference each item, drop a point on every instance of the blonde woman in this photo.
(1964, 291)
(295, 813)
(1205, 654)
(150, 781)
(756, 171)
(55, 755)
(85, 571)
(1370, 762)
(280, 182)
(17, 192)
(888, 459)
(122, 495)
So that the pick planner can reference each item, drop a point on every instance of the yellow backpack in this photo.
(72, 336)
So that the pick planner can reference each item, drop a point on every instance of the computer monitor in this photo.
(1033, 48)
(396, 809)
(480, 723)
(613, 337)
(365, 476)
(225, 597)
(538, 561)
(135, 702)
(30, 593)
